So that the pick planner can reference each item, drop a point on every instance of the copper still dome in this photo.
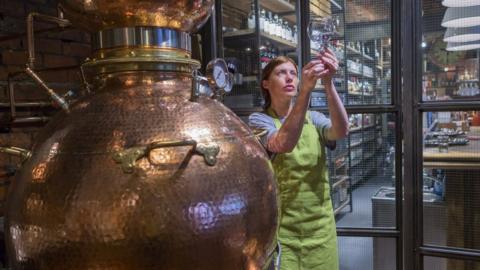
(138, 174)
(97, 15)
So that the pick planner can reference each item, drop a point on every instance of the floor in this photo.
(356, 253)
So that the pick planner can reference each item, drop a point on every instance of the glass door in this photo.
(255, 31)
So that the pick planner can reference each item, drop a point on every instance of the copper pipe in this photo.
(60, 11)
(58, 99)
(30, 40)
(16, 151)
(25, 104)
(11, 93)
(84, 80)
(11, 96)
(25, 120)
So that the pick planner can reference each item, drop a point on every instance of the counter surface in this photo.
(464, 156)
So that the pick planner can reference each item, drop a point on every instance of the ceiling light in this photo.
(461, 17)
(460, 3)
(465, 34)
(463, 46)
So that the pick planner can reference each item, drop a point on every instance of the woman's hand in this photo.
(330, 63)
(324, 67)
(311, 72)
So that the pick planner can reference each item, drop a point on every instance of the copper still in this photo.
(144, 172)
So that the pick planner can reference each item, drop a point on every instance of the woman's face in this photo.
(282, 82)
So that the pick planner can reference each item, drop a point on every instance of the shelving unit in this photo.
(249, 46)
(356, 157)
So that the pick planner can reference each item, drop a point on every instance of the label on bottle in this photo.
(251, 22)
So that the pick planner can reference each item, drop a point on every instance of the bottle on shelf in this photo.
(286, 31)
(251, 17)
(294, 35)
(269, 23)
(262, 20)
(275, 31)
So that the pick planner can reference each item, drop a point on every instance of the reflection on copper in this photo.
(129, 82)
(34, 202)
(203, 216)
(232, 204)
(251, 251)
(129, 199)
(118, 141)
(38, 173)
(53, 151)
(27, 240)
(162, 155)
(198, 133)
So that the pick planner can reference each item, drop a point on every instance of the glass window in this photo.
(451, 179)
(435, 263)
(367, 253)
(450, 69)
(247, 51)
(362, 43)
(361, 172)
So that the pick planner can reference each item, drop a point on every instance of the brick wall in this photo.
(53, 49)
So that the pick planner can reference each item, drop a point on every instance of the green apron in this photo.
(307, 232)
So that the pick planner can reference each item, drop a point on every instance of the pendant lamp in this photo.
(461, 17)
(464, 34)
(462, 46)
(460, 3)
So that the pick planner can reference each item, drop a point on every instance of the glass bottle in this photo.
(285, 30)
(262, 20)
(267, 22)
(275, 31)
(251, 16)
(295, 34)
(281, 32)
(270, 23)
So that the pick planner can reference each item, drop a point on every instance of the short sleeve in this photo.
(263, 122)
(322, 123)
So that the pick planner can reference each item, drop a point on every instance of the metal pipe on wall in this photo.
(26, 104)
(29, 120)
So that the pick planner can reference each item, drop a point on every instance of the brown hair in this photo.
(267, 71)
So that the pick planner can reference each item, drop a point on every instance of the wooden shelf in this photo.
(356, 162)
(282, 7)
(343, 205)
(360, 128)
(360, 94)
(352, 50)
(351, 72)
(468, 81)
(239, 33)
(251, 78)
(280, 42)
(277, 6)
(356, 144)
(341, 166)
(339, 181)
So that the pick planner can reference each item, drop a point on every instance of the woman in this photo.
(297, 137)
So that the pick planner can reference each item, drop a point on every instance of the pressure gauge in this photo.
(217, 73)
(228, 87)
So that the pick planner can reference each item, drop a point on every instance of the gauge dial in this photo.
(229, 85)
(217, 73)
(219, 76)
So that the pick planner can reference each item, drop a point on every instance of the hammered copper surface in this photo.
(73, 207)
(97, 15)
